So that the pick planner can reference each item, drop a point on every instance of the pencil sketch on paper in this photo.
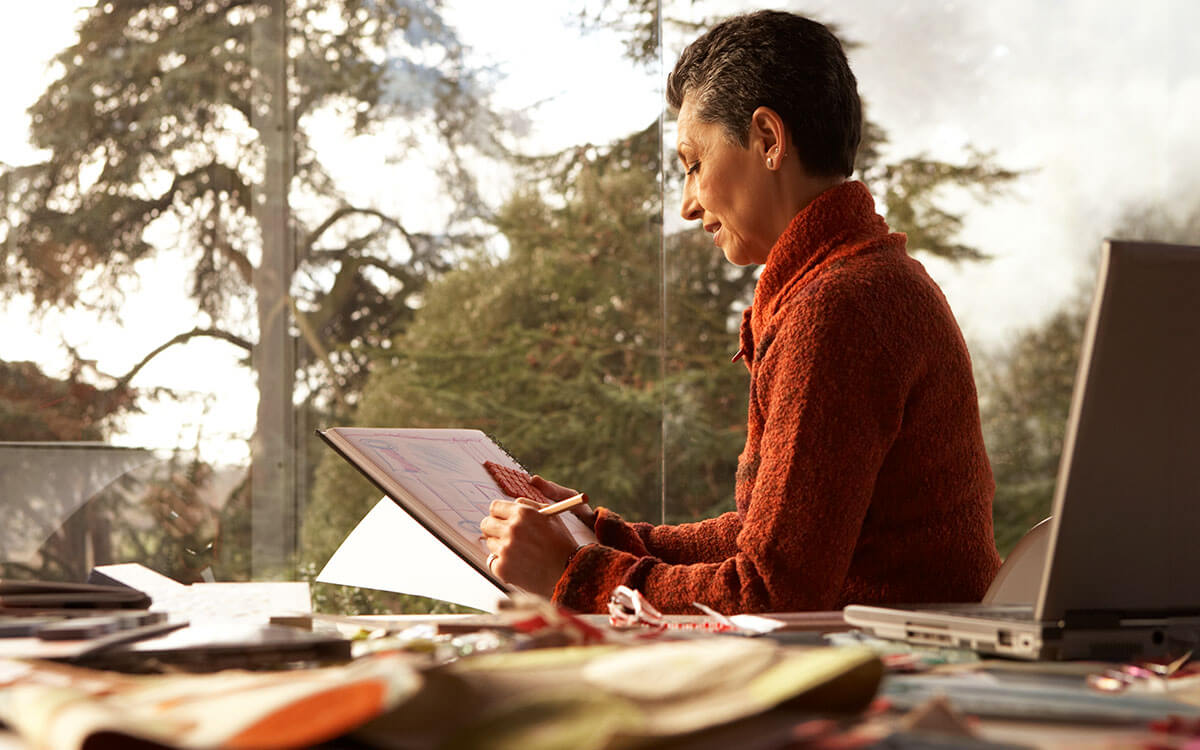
(442, 468)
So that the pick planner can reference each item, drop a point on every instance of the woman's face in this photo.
(727, 188)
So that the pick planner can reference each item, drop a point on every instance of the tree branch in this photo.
(399, 273)
(345, 211)
(183, 338)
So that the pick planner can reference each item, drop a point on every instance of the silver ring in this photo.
(492, 557)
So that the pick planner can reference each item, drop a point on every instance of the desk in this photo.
(1043, 735)
(1053, 736)
(770, 725)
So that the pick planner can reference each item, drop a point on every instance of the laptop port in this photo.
(930, 638)
(1004, 638)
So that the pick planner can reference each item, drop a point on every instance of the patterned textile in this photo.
(514, 482)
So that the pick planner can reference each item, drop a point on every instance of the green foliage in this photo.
(167, 118)
(161, 116)
(555, 349)
(1025, 395)
(1026, 388)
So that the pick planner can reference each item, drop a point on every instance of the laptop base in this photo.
(1010, 631)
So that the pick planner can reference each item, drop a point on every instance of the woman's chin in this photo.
(735, 256)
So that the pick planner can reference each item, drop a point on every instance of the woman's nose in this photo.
(691, 209)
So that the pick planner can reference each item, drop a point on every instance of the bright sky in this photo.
(1099, 99)
(224, 407)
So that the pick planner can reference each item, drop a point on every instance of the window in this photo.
(229, 224)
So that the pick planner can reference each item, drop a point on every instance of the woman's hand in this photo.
(531, 549)
(557, 492)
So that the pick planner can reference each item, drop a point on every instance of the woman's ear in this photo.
(768, 136)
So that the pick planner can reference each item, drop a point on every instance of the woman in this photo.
(864, 477)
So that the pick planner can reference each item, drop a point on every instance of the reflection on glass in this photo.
(233, 223)
(45, 487)
(71, 506)
(238, 221)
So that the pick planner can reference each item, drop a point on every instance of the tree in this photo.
(37, 407)
(193, 117)
(1025, 395)
(1026, 388)
(591, 356)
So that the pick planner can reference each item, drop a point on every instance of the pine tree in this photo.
(191, 118)
(1025, 388)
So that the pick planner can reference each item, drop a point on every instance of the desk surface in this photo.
(1049, 735)
(1041, 734)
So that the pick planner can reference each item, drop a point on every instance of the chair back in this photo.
(1020, 577)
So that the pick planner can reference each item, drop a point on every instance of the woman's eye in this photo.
(693, 168)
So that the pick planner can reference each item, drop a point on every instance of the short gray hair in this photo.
(780, 60)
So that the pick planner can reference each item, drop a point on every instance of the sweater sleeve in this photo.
(831, 396)
(711, 540)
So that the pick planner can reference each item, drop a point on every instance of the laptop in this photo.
(1122, 569)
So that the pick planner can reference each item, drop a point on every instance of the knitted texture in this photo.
(864, 477)
(514, 482)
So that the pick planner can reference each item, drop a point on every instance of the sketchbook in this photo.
(438, 478)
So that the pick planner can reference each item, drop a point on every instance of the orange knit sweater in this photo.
(864, 477)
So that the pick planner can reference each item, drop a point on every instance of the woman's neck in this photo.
(797, 190)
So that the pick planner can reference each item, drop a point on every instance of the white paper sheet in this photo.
(390, 551)
(254, 601)
(138, 576)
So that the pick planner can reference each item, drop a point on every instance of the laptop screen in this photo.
(1127, 501)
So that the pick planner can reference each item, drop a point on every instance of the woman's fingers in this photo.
(490, 527)
(510, 509)
(505, 516)
(494, 545)
(502, 508)
(504, 525)
(586, 514)
(495, 538)
(550, 489)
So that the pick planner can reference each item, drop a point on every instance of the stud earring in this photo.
(770, 163)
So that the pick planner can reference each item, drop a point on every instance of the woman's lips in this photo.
(715, 230)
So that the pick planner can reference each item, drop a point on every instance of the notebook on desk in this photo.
(1122, 571)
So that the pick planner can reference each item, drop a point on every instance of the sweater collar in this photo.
(830, 226)
(834, 224)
